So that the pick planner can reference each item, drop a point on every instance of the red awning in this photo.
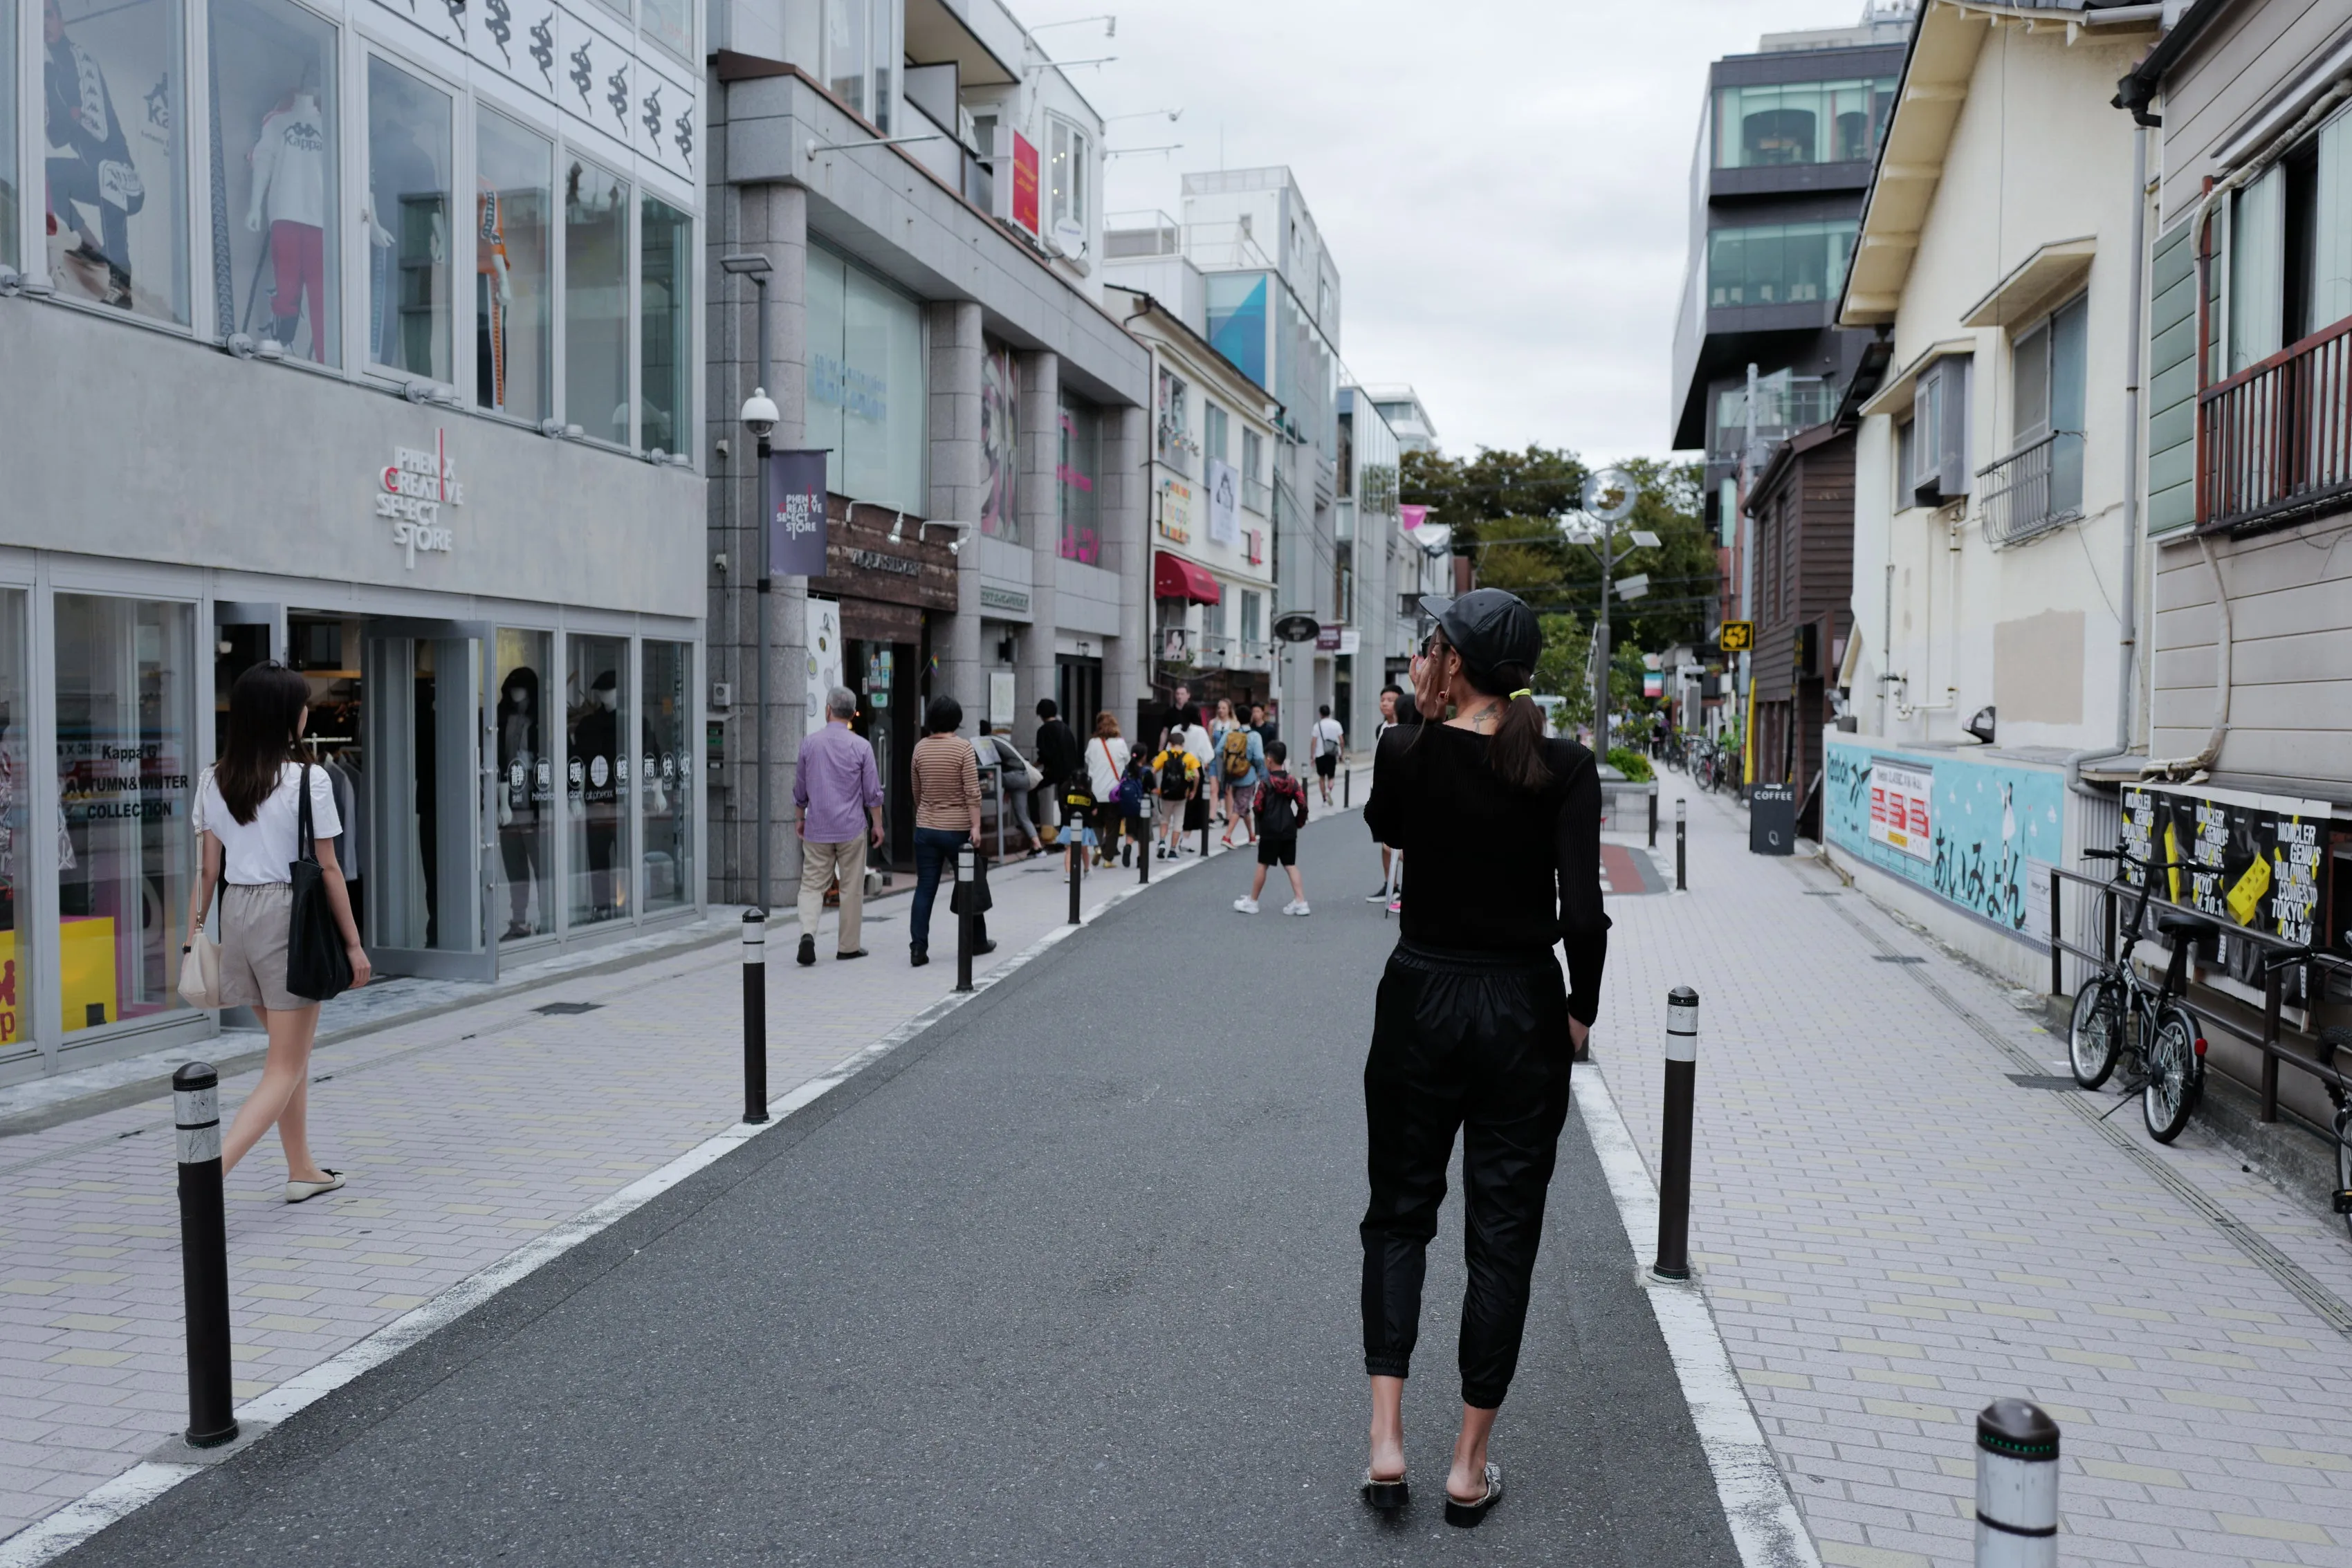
(1173, 577)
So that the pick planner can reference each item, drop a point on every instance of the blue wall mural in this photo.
(1977, 835)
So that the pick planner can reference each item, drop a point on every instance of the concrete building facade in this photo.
(935, 325)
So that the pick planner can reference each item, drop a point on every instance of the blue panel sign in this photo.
(1979, 835)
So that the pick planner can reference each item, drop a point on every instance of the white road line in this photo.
(1765, 1524)
(56, 1534)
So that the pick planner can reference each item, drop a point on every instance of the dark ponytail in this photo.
(1516, 752)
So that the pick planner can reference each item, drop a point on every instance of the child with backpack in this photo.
(1281, 812)
(1178, 773)
(1134, 799)
(1241, 762)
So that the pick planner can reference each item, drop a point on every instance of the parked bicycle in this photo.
(2119, 1015)
(2332, 1039)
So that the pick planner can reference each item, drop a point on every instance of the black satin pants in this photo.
(1477, 1042)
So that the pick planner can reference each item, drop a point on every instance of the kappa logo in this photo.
(500, 26)
(542, 49)
(685, 138)
(618, 95)
(583, 76)
(652, 121)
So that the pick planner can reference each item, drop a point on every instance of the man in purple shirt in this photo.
(840, 800)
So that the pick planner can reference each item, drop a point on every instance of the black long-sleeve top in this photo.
(1493, 868)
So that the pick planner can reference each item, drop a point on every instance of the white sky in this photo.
(1503, 183)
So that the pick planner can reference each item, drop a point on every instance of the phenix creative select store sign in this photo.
(411, 491)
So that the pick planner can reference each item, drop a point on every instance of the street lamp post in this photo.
(1603, 519)
(759, 417)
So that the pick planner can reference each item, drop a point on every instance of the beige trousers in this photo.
(820, 864)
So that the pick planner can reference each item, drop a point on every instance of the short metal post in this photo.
(204, 1254)
(2274, 982)
(967, 896)
(755, 1015)
(1077, 870)
(1653, 816)
(2057, 953)
(1681, 846)
(1346, 785)
(1204, 828)
(2017, 1486)
(1151, 843)
(1675, 1150)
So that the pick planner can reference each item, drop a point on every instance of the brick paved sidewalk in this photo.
(466, 1134)
(1891, 1232)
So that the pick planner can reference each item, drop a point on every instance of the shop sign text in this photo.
(411, 491)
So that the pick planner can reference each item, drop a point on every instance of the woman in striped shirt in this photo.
(947, 817)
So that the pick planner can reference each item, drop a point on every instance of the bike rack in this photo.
(2274, 1051)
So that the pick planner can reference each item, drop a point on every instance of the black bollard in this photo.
(1653, 816)
(204, 1254)
(1347, 786)
(755, 1015)
(1078, 872)
(1674, 1146)
(966, 897)
(1681, 846)
(1151, 843)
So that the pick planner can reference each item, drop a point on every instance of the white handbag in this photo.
(200, 966)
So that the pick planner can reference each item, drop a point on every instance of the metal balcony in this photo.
(2035, 489)
(2274, 441)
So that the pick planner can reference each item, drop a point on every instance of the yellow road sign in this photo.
(1739, 636)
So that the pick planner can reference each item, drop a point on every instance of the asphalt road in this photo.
(1069, 1280)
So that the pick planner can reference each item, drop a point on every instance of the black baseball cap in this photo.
(1494, 632)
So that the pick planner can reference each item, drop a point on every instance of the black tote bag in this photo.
(317, 967)
(979, 897)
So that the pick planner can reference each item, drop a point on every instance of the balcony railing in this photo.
(2274, 441)
(2035, 489)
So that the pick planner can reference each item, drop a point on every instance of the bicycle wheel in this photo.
(2176, 1076)
(2095, 1036)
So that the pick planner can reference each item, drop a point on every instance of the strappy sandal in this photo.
(1470, 1515)
(1386, 1496)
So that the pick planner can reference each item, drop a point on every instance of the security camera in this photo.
(759, 413)
(240, 345)
(417, 389)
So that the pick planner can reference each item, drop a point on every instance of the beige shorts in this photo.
(255, 920)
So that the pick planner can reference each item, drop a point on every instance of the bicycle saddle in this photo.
(2187, 925)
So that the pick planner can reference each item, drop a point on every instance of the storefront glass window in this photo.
(664, 774)
(866, 386)
(408, 223)
(274, 157)
(526, 787)
(1801, 122)
(671, 24)
(596, 776)
(15, 1037)
(596, 302)
(8, 134)
(847, 37)
(117, 172)
(125, 766)
(513, 327)
(1779, 264)
(1077, 468)
(665, 329)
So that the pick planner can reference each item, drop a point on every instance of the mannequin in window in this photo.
(493, 298)
(521, 795)
(290, 196)
(407, 232)
(595, 747)
(89, 159)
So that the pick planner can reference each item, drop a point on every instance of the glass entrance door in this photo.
(428, 779)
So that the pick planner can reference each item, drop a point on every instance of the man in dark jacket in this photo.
(1059, 757)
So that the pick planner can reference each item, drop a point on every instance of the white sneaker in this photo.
(1246, 905)
(1296, 906)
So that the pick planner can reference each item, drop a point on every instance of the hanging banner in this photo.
(1024, 182)
(1224, 503)
(1413, 517)
(796, 528)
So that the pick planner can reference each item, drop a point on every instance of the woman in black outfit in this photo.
(1473, 1029)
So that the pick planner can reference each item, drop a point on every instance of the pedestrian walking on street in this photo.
(1330, 744)
(248, 822)
(1105, 768)
(1204, 755)
(1473, 1029)
(1266, 732)
(1220, 724)
(1060, 760)
(946, 776)
(1391, 698)
(1242, 761)
(1176, 773)
(1281, 812)
(837, 799)
(1178, 713)
(1015, 777)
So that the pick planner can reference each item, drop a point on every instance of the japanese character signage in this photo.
(1979, 835)
(2251, 861)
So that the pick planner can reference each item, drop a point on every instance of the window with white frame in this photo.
(858, 49)
(1214, 425)
(1068, 153)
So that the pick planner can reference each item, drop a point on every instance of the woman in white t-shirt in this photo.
(247, 818)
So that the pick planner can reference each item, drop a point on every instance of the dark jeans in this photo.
(935, 851)
(1477, 1042)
